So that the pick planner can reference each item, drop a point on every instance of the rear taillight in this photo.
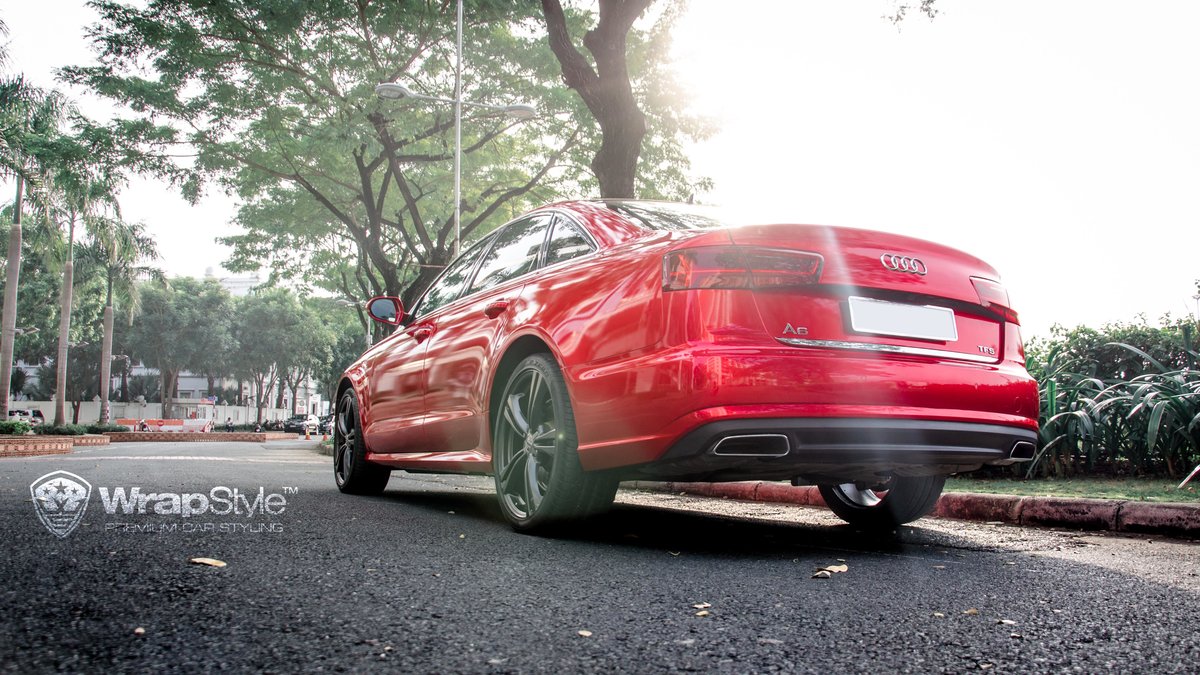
(994, 296)
(739, 267)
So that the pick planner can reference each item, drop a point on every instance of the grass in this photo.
(1138, 489)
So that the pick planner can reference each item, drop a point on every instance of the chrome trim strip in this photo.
(886, 349)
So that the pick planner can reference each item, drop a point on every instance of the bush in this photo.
(60, 430)
(1117, 407)
(106, 428)
(14, 428)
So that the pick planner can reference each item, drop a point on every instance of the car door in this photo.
(464, 336)
(396, 384)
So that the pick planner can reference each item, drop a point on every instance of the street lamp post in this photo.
(394, 91)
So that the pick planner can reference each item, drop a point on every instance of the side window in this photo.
(514, 253)
(450, 285)
(566, 242)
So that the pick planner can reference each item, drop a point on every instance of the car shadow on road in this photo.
(638, 526)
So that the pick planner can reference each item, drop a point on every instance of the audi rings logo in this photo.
(903, 263)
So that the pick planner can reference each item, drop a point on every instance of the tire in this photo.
(351, 470)
(905, 500)
(535, 452)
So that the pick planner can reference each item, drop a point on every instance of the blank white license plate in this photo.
(923, 322)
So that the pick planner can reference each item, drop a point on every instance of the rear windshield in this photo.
(669, 216)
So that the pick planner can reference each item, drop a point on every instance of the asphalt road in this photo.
(428, 578)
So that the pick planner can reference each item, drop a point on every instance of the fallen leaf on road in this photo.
(939, 567)
(462, 536)
(985, 666)
(1006, 622)
(971, 612)
(703, 612)
(821, 574)
(674, 553)
(938, 615)
(769, 641)
(211, 562)
(702, 605)
(838, 568)
(450, 512)
(585, 633)
(139, 631)
(841, 560)
(1016, 636)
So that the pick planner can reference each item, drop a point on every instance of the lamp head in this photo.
(392, 91)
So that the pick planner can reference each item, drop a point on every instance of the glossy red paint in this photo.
(647, 367)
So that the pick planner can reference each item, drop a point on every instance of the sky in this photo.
(1060, 142)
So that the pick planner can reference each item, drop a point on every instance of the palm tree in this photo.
(77, 193)
(28, 117)
(116, 251)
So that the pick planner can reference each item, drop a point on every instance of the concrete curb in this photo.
(1113, 515)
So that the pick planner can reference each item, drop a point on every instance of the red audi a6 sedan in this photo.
(590, 342)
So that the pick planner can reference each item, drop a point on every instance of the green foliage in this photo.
(1122, 399)
(106, 428)
(341, 189)
(60, 430)
(14, 428)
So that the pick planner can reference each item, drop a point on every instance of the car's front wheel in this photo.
(539, 479)
(904, 500)
(351, 470)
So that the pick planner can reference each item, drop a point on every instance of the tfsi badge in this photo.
(60, 499)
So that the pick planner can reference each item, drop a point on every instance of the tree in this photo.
(117, 251)
(267, 327)
(277, 107)
(80, 180)
(605, 89)
(170, 332)
(28, 117)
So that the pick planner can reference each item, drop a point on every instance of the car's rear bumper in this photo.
(826, 450)
(869, 412)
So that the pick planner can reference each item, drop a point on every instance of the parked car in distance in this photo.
(590, 342)
(296, 424)
(326, 426)
(31, 416)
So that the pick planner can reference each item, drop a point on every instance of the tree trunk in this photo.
(211, 385)
(64, 336)
(8, 322)
(106, 358)
(75, 406)
(260, 397)
(167, 381)
(606, 89)
(125, 383)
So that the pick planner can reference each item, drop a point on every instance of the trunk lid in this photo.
(879, 292)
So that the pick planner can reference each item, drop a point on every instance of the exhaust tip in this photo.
(1022, 451)
(753, 445)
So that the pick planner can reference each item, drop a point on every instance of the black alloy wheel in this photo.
(539, 479)
(351, 470)
(905, 500)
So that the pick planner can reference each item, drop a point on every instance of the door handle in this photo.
(495, 309)
(421, 334)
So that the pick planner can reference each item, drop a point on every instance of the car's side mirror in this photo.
(386, 309)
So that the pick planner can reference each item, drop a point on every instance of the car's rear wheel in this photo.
(904, 500)
(351, 470)
(539, 479)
